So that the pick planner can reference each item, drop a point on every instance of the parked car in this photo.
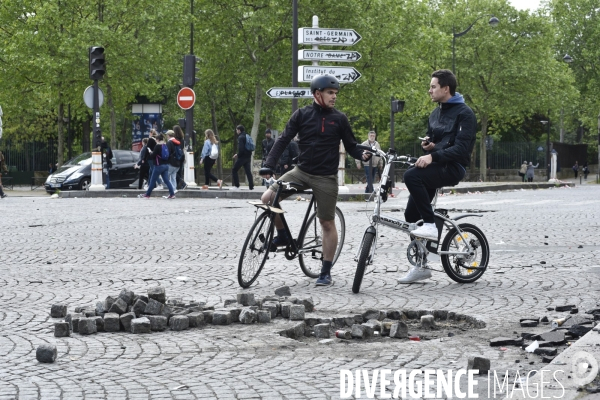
(76, 174)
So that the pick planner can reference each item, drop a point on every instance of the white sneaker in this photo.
(426, 231)
(415, 274)
(176, 190)
(234, 188)
(159, 187)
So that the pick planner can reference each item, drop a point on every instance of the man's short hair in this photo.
(240, 128)
(267, 131)
(445, 78)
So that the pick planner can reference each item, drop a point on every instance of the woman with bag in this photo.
(208, 157)
(523, 171)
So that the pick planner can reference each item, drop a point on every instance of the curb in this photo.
(256, 194)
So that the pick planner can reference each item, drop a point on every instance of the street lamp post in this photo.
(493, 22)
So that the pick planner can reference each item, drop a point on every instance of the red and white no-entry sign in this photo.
(186, 98)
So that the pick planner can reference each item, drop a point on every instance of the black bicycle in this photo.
(308, 246)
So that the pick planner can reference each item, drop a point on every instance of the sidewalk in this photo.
(353, 191)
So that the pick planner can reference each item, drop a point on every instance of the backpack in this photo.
(164, 152)
(249, 143)
(214, 152)
(178, 153)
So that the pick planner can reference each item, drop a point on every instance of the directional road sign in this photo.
(329, 55)
(343, 74)
(289, 93)
(328, 37)
(186, 98)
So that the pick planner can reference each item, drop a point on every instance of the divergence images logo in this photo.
(584, 367)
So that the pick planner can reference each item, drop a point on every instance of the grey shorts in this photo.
(324, 187)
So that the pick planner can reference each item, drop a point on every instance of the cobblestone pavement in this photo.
(79, 250)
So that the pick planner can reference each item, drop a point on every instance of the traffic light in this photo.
(97, 65)
(189, 70)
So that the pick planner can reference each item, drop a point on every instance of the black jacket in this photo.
(156, 155)
(267, 145)
(171, 144)
(453, 129)
(242, 152)
(289, 156)
(319, 133)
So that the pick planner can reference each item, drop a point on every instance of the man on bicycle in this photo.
(450, 139)
(319, 127)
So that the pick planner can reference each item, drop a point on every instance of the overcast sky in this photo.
(525, 4)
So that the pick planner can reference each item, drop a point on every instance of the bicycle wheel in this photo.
(458, 267)
(311, 238)
(255, 251)
(363, 260)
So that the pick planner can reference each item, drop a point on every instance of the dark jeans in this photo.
(180, 181)
(160, 170)
(151, 166)
(422, 184)
(242, 162)
(208, 164)
(370, 177)
(144, 174)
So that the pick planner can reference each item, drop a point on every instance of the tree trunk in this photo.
(256, 122)
(61, 134)
(213, 116)
(113, 118)
(87, 129)
(482, 148)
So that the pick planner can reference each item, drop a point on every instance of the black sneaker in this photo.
(324, 280)
(3, 195)
(279, 241)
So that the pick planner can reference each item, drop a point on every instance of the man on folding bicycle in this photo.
(450, 139)
(319, 127)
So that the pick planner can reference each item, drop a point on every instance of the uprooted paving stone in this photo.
(393, 324)
(154, 312)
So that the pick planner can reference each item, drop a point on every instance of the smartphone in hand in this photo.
(426, 140)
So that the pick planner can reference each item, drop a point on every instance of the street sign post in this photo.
(343, 74)
(329, 55)
(289, 93)
(186, 98)
(328, 37)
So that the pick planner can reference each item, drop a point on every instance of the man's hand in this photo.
(423, 161)
(427, 145)
(366, 155)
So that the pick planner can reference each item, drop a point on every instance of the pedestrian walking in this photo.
(160, 156)
(530, 171)
(151, 160)
(142, 164)
(585, 170)
(523, 171)
(267, 145)
(175, 157)
(3, 170)
(576, 169)
(107, 156)
(208, 158)
(242, 158)
(370, 166)
(180, 172)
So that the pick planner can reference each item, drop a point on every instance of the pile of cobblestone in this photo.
(154, 312)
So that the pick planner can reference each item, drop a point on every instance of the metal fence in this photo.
(34, 156)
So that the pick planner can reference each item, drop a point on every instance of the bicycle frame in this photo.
(275, 210)
(441, 215)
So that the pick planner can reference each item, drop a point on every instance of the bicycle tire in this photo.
(363, 258)
(309, 263)
(255, 250)
(452, 266)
